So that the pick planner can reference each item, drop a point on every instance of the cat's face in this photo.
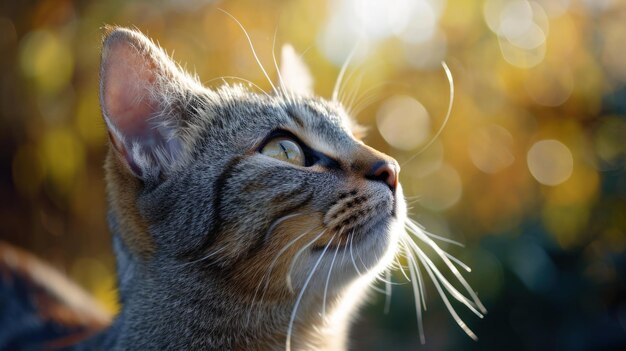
(261, 190)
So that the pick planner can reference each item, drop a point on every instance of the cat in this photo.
(243, 220)
(229, 209)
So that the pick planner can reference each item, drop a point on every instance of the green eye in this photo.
(284, 149)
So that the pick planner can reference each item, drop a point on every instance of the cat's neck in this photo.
(214, 318)
(168, 313)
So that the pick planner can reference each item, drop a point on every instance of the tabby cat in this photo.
(244, 220)
(240, 220)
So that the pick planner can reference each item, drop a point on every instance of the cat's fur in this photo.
(215, 241)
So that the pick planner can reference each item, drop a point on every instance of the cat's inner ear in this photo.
(140, 93)
(294, 73)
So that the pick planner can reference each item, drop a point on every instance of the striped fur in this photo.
(216, 242)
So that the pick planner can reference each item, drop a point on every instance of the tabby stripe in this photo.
(295, 118)
(216, 217)
(261, 236)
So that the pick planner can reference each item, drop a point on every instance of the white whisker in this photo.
(384, 280)
(370, 96)
(280, 77)
(297, 255)
(449, 287)
(330, 270)
(459, 262)
(256, 57)
(445, 121)
(401, 267)
(435, 236)
(279, 221)
(348, 99)
(269, 270)
(416, 293)
(455, 316)
(418, 273)
(202, 258)
(287, 95)
(342, 72)
(352, 255)
(363, 103)
(388, 289)
(306, 283)
(223, 78)
(423, 237)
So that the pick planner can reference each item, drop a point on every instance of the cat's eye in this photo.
(284, 149)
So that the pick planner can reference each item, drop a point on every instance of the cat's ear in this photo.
(294, 72)
(143, 94)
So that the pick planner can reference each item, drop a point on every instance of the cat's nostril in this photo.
(386, 172)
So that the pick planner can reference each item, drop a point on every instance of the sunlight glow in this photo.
(371, 21)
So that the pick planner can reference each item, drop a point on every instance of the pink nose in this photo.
(386, 172)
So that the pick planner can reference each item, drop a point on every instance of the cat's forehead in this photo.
(309, 117)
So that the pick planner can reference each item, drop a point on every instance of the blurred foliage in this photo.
(529, 172)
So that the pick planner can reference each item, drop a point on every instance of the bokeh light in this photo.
(403, 122)
(550, 162)
(490, 148)
(440, 189)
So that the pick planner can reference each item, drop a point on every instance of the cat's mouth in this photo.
(356, 236)
(356, 216)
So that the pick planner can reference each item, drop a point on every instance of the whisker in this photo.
(238, 78)
(342, 72)
(459, 262)
(251, 48)
(279, 221)
(330, 270)
(370, 96)
(355, 265)
(306, 51)
(349, 98)
(297, 255)
(269, 270)
(386, 281)
(365, 103)
(306, 283)
(412, 197)
(435, 236)
(355, 91)
(202, 258)
(445, 121)
(352, 255)
(417, 293)
(361, 260)
(423, 237)
(418, 273)
(412, 202)
(373, 90)
(388, 288)
(449, 287)
(280, 77)
(455, 316)
(401, 267)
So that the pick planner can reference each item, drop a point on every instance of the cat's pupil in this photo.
(284, 149)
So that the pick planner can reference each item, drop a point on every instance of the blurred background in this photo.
(529, 172)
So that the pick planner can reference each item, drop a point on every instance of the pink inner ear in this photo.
(128, 76)
(133, 77)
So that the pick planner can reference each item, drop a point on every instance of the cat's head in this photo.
(247, 186)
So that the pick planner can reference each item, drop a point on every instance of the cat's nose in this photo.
(384, 171)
